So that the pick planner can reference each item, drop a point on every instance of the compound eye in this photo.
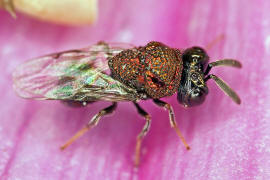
(199, 50)
(196, 94)
(195, 55)
(192, 98)
(199, 55)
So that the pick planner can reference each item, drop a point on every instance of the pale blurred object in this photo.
(69, 12)
(8, 6)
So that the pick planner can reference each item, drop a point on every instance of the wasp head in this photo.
(193, 89)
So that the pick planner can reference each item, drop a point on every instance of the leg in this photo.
(214, 42)
(143, 132)
(93, 122)
(173, 123)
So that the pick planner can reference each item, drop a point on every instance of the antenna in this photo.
(222, 84)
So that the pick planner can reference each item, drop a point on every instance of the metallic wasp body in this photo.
(121, 72)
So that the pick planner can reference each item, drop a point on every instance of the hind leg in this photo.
(143, 132)
(93, 122)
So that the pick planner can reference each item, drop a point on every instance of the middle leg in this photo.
(143, 132)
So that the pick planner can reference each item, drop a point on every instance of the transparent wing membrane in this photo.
(77, 75)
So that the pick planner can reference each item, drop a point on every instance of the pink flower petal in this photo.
(227, 141)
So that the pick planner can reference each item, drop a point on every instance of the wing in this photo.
(78, 75)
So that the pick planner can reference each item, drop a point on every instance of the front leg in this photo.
(173, 123)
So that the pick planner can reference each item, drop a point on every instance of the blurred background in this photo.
(227, 141)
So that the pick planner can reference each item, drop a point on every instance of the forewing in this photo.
(77, 75)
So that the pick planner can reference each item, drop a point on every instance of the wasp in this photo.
(118, 72)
